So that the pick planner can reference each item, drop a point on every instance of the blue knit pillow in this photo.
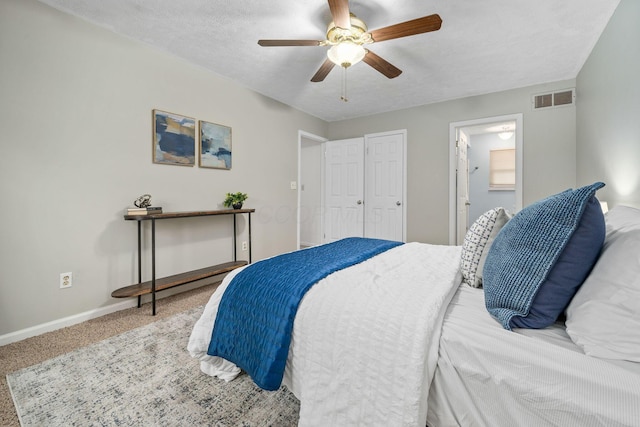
(541, 257)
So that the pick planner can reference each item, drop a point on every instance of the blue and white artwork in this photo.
(215, 146)
(174, 139)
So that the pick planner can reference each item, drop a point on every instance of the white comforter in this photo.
(365, 339)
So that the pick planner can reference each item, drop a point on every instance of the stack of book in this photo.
(144, 211)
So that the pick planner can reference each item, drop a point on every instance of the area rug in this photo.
(143, 377)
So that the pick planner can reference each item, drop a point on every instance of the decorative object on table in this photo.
(174, 139)
(235, 200)
(215, 146)
(143, 206)
(143, 201)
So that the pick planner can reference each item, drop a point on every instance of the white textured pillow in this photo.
(604, 316)
(475, 242)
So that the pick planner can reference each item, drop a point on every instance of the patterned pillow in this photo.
(542, 256)
(475, 242)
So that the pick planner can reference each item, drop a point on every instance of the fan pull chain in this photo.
(344, 85)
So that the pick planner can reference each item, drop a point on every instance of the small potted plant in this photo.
(235, 200)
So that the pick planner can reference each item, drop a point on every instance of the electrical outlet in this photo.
(244, 246)
(66, 280)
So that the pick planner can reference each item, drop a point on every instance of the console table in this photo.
(157, 284)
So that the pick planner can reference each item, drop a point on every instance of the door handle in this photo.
(359, 202)
(398, 203)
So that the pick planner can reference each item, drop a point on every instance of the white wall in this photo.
(549, 145)
(608, 102)
(75, 114)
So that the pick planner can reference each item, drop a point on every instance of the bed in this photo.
(419, 334)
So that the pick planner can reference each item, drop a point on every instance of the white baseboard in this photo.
(64, 322)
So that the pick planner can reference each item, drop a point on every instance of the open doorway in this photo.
(485, 170)
(310, 189)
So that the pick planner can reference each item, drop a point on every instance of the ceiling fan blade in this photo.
(268, 43)
(340, 13)
(322, 72)
(381, 65)
(409, 28)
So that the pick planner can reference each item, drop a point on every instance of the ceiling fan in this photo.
(348, 34)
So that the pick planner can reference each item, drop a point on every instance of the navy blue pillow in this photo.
(542, 256)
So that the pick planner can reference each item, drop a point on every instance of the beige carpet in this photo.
(38, 349)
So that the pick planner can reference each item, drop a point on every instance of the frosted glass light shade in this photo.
(505, 135)
(346, 54)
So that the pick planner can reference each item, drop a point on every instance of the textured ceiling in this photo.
(482, 47)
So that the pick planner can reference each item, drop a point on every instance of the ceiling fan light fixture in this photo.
(346, 53)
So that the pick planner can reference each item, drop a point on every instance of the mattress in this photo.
(488, 376)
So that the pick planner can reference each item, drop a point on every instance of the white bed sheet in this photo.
(487, 376)
(364, 343)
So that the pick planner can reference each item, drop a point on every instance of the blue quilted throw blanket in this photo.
(255, 317)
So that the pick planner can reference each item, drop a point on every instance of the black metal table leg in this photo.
(249, 214)
(139, 260)
(153, 265)
(235, 237)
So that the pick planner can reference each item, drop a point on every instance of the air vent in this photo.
(555, 99)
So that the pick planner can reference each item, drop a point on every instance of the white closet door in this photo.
(384, 185)
(344, 189)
